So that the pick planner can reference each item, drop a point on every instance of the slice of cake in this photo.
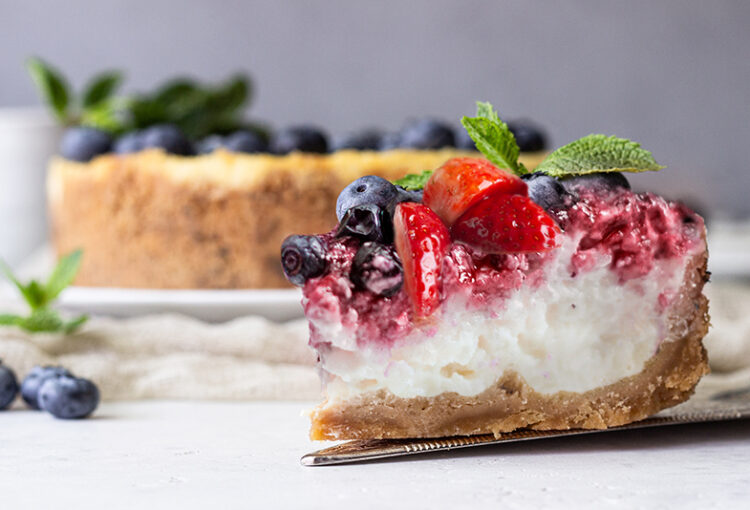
(480, 300)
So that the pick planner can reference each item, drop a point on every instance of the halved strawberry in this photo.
(421, 242)
(502, 223)
(461, 182)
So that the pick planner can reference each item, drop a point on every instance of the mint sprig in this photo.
(598, 153)
(52, 86)
(197, 109)
(101, 88)
(40, 296)
(414, 182)
(71, 109)
(493, 138)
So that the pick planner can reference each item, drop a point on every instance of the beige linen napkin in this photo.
(172, 356)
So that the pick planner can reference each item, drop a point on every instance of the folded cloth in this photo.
(728, 339)
(173, 356)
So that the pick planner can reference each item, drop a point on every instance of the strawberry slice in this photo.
(462, 182)
(502, 223)
(421, 241)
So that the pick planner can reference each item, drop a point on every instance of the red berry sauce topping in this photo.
(635, 229)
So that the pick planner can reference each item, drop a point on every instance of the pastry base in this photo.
(667, 379)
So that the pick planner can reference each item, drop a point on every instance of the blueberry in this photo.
(68, 397)
(299, 138)
(601, 181)
(530, 138)
(369, 189)
(463, 140)
(245, 141)
(84, 143)
(365, 140)
(209, 144)
(34, 380)
(404, 196)
(129, 143)
(302, 257)
(389, 141)
(8, 386)
(377, 268)
(427, 134)
(368, 222)
(239, 141)
(546, 191)
(167, 137)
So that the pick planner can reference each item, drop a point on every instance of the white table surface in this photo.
(246, 455)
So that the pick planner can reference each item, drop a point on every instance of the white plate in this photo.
(207, 305)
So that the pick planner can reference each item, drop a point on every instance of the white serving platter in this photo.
(208, 305)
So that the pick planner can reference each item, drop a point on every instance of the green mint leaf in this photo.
(72, 326)
(174, 90)
(101, 88)
(229, 97)
(27, 293)
(493, 138)
(598, 153)
(146, 112)
(63, 274)
(10, 319)
(52, 87)
(36, 295)
(107, 116)
(42, 321)
(414, 182)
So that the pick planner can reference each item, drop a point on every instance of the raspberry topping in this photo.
(634, 229)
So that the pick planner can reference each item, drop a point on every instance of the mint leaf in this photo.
(10, 320)
(27, 291)
(598, 153)
(52, 87)
(107, 116)
(414, 182)
(36, 295)
(101, 87)
(63, 274)
(39, 296)
(44, 320)
(230, 96)
(493, 138)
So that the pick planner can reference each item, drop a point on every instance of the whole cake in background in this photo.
(175, 190)
(482, 298)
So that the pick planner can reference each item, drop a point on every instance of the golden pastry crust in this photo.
(152, 220)
(667, 379)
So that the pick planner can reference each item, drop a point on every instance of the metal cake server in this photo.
(726, 405)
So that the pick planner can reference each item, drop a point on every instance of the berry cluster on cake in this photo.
(483, 298)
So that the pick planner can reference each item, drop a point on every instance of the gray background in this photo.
(671, 74)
